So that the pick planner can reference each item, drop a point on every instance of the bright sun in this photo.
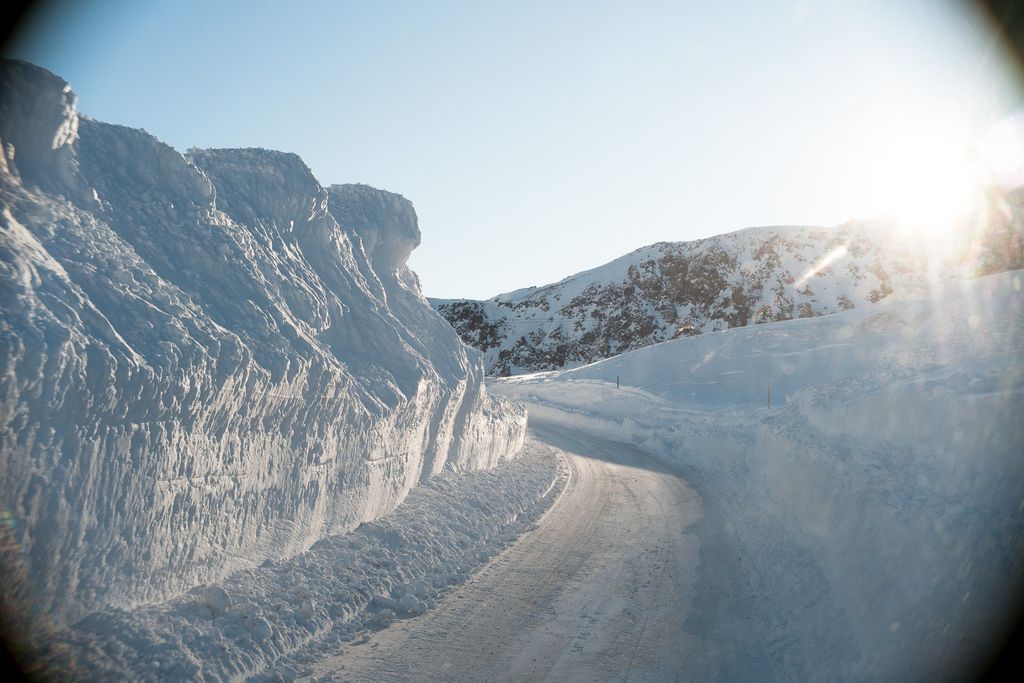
(928, 172)
(938, 186)
(928, 176)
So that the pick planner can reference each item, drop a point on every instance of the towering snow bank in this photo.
(41, 125)
(385, 222)
(385, 225)
(200, 368)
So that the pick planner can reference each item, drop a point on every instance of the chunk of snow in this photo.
(216, 599)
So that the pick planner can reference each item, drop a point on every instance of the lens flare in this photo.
(830, 258)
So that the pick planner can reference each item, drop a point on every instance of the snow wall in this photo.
(206, 360)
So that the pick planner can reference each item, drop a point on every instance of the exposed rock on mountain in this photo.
(674, 289)
(206, 360)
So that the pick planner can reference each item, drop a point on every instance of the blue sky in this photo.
(537, 139)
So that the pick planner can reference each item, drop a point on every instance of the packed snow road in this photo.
(600, 590)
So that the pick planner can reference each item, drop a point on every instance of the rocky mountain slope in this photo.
(675, 289)
(206, 360)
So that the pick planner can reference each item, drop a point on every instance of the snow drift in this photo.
(875, 510)
(206, 360)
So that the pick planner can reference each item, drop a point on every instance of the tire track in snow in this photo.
(600, 590)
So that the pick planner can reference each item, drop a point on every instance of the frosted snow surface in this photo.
(874, 512)
(206, 360)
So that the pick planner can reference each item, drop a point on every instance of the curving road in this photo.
(600, 590)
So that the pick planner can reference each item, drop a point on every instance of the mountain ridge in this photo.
(670, 289)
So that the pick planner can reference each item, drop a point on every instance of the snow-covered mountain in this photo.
(676, 289)
(206, 360)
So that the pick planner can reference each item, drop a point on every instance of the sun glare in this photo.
(1002, 151)
(939, 189)
(929, 177)
(830, 258)
(928, 172)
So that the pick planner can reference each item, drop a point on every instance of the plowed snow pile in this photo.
(207, 361)
(272, 621)
(875, 510)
